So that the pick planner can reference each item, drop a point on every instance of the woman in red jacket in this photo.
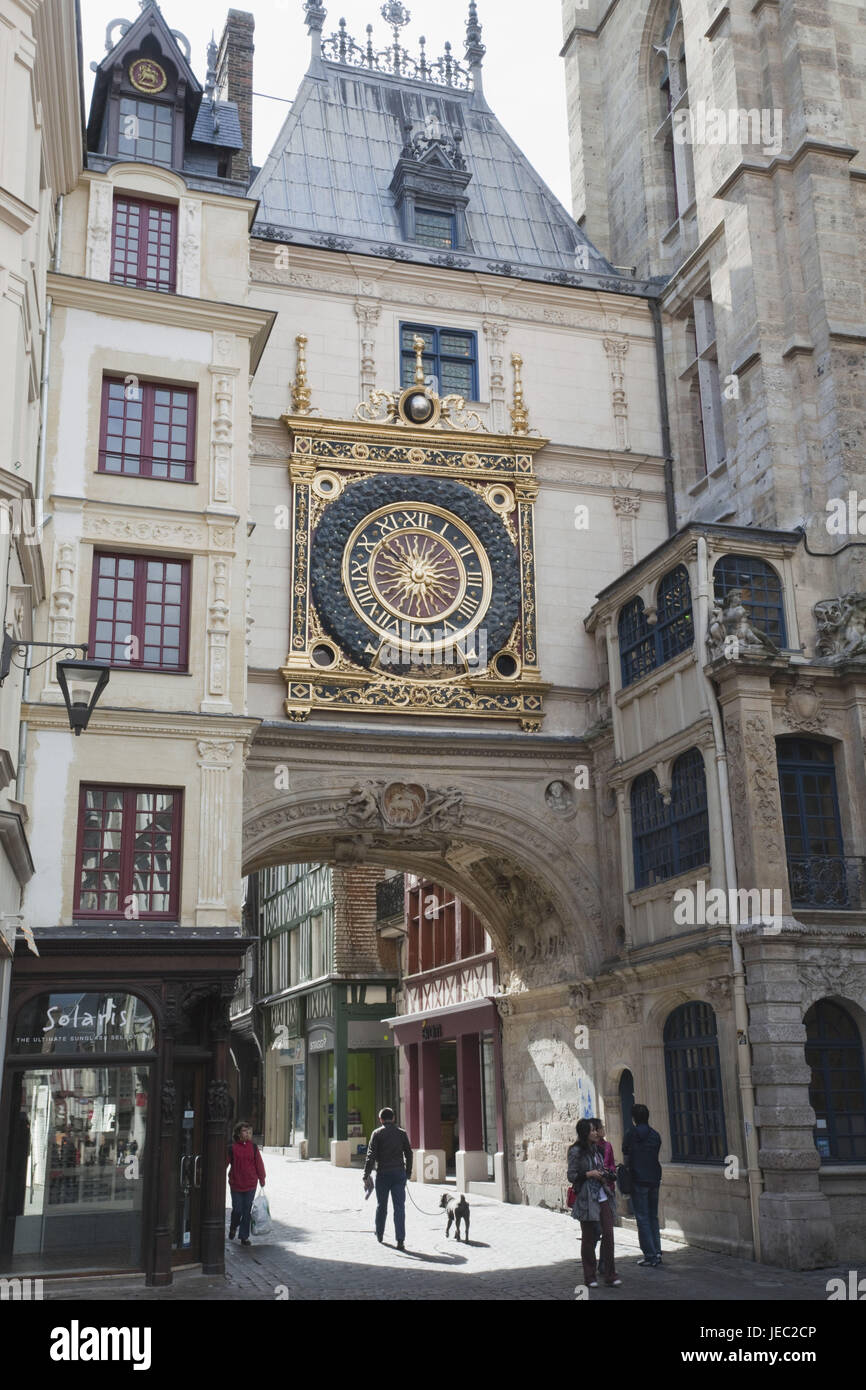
(246, 1169)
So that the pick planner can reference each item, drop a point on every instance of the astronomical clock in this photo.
(413, 559)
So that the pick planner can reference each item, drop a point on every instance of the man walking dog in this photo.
(390, 1153)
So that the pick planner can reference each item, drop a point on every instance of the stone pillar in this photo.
(796, 1225)
(759, 838)
(368, 314)
(496, 332)
(214, 761)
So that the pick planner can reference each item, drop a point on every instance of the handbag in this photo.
(570, 1197)
(260, 1217)
(623, 1179)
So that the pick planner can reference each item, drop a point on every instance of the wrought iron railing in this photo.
(828, 881)
(389, 898)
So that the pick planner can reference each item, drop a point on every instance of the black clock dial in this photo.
(414, 560)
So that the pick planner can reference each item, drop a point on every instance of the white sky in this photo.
(523, 74)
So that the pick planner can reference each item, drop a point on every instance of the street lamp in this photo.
(82, 682)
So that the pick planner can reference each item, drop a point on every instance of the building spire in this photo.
(475, 49)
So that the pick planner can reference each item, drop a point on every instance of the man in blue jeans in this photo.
(640, 1150)
(390, 1153)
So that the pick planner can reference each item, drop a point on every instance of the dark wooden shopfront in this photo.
(116, 1108)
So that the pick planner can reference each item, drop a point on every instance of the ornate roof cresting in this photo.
(395, 60)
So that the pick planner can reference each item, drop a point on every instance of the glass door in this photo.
(187, 1180)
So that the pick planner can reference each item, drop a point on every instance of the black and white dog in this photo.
(458, 1210)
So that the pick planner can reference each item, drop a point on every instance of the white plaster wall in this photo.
(50, 758)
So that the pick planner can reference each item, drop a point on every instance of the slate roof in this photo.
(218, 123)
(326, 181)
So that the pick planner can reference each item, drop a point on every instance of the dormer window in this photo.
(145, 131)
(435, 228)
(429, 187)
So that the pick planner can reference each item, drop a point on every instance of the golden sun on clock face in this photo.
(418, 566)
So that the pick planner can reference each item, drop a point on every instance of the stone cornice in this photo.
(347, 273)
(173, 310)
(145, 723)
(808, 146)
(13, 838)
(16, 214)
(427, 743)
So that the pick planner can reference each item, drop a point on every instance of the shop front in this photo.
(453, 1086)
(116, 1105)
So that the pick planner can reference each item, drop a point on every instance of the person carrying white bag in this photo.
(246, 1170)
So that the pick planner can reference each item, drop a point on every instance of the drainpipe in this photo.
(656, 312)
(741, 1012)
(626, 852)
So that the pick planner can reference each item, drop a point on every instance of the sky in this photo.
(524, 78)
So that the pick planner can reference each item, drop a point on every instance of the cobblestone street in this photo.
(322, 1247)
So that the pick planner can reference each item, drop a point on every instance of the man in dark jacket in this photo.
(390, 1153)
(640, 1150)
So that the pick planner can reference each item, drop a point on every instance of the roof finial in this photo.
(475, 49)
(212, 55)
(316, 15)
(519, 413)
(301, 391)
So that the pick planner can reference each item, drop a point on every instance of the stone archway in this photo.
(476, 813)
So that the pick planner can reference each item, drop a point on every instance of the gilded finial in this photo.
(301, 393)
(519, 412)
(420, 374)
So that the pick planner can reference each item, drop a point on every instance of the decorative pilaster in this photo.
(99, 215)
(759, 837)
(368, 319)
(527, 491)
(626, 506)
(495, 331)
(301, 476)
(222, 435)
(215, 758)
(217, 698)
(61, 618)
(616, 349)
(189, 248)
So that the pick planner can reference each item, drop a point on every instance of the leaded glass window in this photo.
(696, 1109)
(450, 357)
(837, 1090)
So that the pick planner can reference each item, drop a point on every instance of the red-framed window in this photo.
(144, 244)
(139, 611)
(128, 853)
(147, 430)
(442, 929)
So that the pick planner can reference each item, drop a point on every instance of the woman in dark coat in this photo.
(594, 1203)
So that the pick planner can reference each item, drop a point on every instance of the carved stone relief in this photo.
(841, 624)
(189, 248)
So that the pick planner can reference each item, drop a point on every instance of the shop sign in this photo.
(79, 1022)
(430, 1032)
(321, 1042)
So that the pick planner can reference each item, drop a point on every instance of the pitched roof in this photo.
(327, 180)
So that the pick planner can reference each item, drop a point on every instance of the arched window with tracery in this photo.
(673, 112)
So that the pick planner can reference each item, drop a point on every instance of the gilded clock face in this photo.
(417, 572)
(413, 561)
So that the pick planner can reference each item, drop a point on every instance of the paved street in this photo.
(322, 1246)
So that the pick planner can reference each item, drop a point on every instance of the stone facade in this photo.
(764, 370)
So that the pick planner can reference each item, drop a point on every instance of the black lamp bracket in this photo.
(12, 644)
